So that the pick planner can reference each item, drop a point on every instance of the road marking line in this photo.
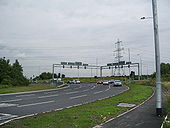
(77, 96)
(11, 100)
(36, 104)
(108, 88)
(6, 116)
(49, 92)
(48, 96)
(98, 92)
(85, 90)
(72, 92)
(25, 95)
(93, 87)
(7, 105)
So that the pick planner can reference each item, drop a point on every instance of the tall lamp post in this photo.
(157, 59)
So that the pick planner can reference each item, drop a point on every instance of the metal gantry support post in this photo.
(53, 74)
(101, 71)
(157, 60)
(138, 72)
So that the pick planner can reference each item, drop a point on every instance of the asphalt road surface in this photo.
(22, 104)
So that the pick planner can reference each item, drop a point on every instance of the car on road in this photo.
(74, 82)
(105, 82)
(111, 81)
(99, 82)
(117, 83)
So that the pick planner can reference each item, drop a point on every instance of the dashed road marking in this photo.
(72, 92)
(93, 87)
(97, 92)
(77, 96)
(11, 100)
(26, 105)
(48, 96)
(50, 92)
(25, 95)
(7, 105)
(85, 90)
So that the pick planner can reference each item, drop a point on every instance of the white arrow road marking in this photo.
(48, 96)
(25, 95)
(36, 103)
(6, 116)
(77, 97)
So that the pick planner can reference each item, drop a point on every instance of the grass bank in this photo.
(166, 85)
(87, 115)
(32, 87)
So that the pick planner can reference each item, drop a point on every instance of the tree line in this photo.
(48, 75)
(12, 74)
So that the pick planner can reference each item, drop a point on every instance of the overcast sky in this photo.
(42, 32)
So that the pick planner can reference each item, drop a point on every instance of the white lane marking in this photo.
(4, 116)
(11, 100)
(26, 105)
(77, 96)
(98, 92)
(7, 105)
(50, 92)
(72, 92)
(93, 87)
(108, 88)
(47, 96)
(85, 90)
(25, 95)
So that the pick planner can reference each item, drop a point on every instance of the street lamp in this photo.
(157, 59)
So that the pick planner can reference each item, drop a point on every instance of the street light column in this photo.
(157, 60)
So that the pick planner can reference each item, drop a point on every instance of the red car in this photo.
(99, 82)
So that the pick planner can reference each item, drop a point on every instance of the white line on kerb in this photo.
(72, 92)
(25, 95)
(11, 100)
(77, 97)
(48, 96)
(36, 103)
(98, 92)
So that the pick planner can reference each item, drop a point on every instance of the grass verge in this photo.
(87, 115)
(32, 87)
(166, 85)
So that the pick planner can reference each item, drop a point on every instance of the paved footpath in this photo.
(142, 117)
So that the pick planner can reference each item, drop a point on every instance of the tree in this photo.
(11, 74)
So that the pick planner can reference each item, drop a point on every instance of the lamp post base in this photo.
(159, 111)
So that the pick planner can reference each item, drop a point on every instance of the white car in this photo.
(74, 82)
(105, 82)
(117, 83)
